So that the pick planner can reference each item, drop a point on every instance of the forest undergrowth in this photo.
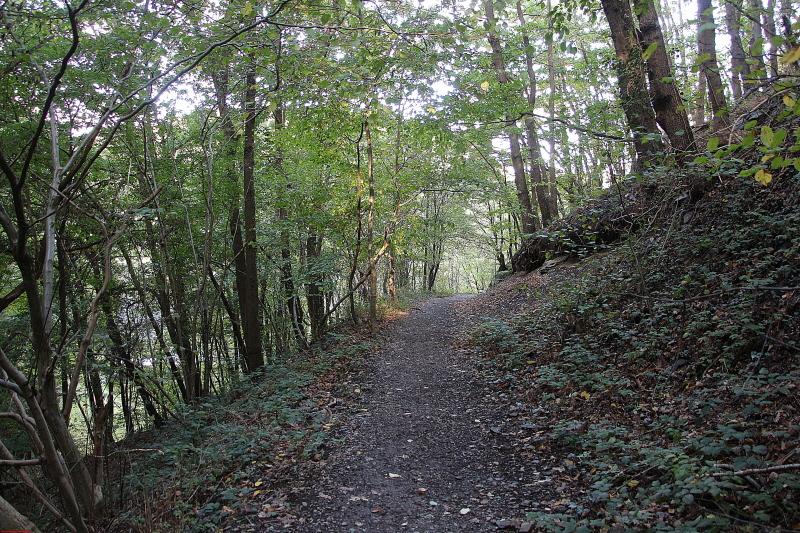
(216, 458)
(669, 366)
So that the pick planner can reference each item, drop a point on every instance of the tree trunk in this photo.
(121, 356)
(756, 43)
(373, 274)
(529, 219)
(391, 280)
(740, 69)
(537, 172)
(12, 520)
(770, 32)
(359, 230)
(667, 103)
(220, 79)
(634, 94)
(250, 306)
(157, 326)
(314, 293)
(57, 466)
(293, 304)
(552, 194)
(706, 47)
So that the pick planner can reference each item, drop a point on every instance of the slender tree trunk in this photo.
(667, 103)
(700, 101)
(157, 327)
(392, 273)
(740, 69)
(359, 230)
(756, 43)
(706, 47)
(529, 220)
(373, 274)
(787, 15)
(292, 300)
(314, 289)
(220, 79)
(250, 307)
(121, 355)
(536, 170)
(632, 80)
(770, 32)
(57, 465)
(552, 194)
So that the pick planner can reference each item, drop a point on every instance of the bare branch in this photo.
(750, 471)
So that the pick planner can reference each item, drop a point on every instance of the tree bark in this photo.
(709, 68)
(12, 520)
(57, 466)
(632, 80)
(740, 69)
(667, 103)
(552, 194)
(372, 273)
(220, 79)
(250, 307)
(770, 32)
(756, 42)
(314, 289)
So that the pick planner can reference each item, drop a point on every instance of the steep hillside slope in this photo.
(669, 364)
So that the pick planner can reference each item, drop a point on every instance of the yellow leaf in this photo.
(767, 158)
(763, 177)
(430, 109)
(585, 395)
(485, 86)
(791, 56)
(633, 483)
(258, 483)
(789, 101)
(247, 9)
(256, 493)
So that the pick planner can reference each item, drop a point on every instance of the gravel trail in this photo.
(430, 447)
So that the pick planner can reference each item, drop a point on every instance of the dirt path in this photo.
(429, 448)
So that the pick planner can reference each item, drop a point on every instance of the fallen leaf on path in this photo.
(465, 510)
(394, 475)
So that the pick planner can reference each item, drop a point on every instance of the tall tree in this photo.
(250, 306)
(632, 79)
(530, 222)
(537, 170)
(667, 102)
(709, 67)
(740, 68)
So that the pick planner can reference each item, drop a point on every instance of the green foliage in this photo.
(670, 365)
(223, 453)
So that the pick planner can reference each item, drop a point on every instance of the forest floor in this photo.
(427, 446)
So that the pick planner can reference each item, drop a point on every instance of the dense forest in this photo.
(193, 193)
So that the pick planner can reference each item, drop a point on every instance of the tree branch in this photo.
(749, 471)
